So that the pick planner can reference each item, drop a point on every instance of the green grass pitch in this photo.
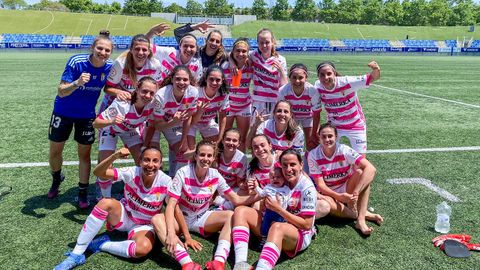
(35, 232)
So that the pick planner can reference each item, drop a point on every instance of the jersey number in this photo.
(55, 121)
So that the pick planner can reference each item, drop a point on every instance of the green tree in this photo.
(100, 8)
(327, 11)
(142, 7)
(463, 13)
(175, 8)
(115, 8)
(349, 11)
(372, 12)
(393, 12)
(218, 7)
(280, 11)
(49, 5)
(14, 4)
(194, 8)
(438, 12)
(155, 6)
(304, 10)
(78, 5)
(259, 8)
(415, 12)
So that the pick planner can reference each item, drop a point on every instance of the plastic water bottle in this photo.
(443, 218)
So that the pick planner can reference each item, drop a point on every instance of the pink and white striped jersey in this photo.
(142, 203)
(194, 196)
(280, 141)
(335, 170)
(262, 174)
(304, 105)
(302, 199)
(166, 105)
(235, 170)
(119, 78)
(239, 97)
(266, 78)
(170, 58)
(218, 103)
(341, 104)
(133, 119)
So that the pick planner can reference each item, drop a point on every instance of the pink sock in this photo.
(223, 249)
(240, 236)
(181, 255)
(90, 228)
(269, 256)
(124, 249)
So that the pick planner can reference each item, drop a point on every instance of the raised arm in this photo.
(66, 88)
(375, 74)
(104, 169)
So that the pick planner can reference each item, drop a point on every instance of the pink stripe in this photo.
(146, 72)
(339, 99)
(104, 184)
(270, 255)
(130, 234)
(180, 254)
(264, 94)
(347, 117)
(307, 214)
(131, 249)
(324, 161)
(273, 135)
(115, 174)
(352, 126)
(337, 182)
(302, 97)
(341, 109)
(99, 213)
(369, 79)
(173, 195)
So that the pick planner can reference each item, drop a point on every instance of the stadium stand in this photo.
(366, 42)
(475, 44)
(32, 38)
(451, 43)
(419, 43)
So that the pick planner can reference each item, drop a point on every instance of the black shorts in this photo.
(61, 127)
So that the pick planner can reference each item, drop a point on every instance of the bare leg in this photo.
(243, 125)
(55, 157)
(85, 162)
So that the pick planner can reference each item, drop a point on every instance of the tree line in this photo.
(376, 12)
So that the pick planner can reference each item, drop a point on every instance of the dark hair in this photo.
(220, 146)
(292, 127)
(149, 79)
(220, 55)
(300, 66)
(152, 149)
(328, 125)
(274, 41)
(255, 163)
(187, 36)
(168, 79)
(103, 35)
(327, 63)
(238, 41)
(291, 151)
(203, 143)
(203, 81)
(129, 63)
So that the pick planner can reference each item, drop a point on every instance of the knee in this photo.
(84, 154)
(143, 247)
(276, 229)
(158, 220)
(106, 204)
(323, 209)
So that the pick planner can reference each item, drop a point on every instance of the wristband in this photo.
(75, 83)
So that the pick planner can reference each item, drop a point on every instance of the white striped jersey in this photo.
(303, 105)
(280, 141)
(218, 103)
(132, 118)
(170, 58)
(194, 196)
(335, 170)
(266, 77)
(239, 97)
(166, 105)
(341, 104)
(235, 170)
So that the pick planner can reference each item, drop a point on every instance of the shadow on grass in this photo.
(337, 223)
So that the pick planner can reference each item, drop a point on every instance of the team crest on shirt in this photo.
(112, 112)
(102, 76)
(210, 187)
(113, 73)
(158, 195)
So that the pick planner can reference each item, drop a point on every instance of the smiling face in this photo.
(188, 48)
(328, 138)
(327, 76)
(205, 156)
(214, 80)
(291, 168)
(145, 93)
(213, 43)
(262, 149)
(231, 141)
(265, 43)
(298, 77)
(180, 81)
(150, 162)
(240, 53)
(282, 113)
(101, 51)
(140, 52)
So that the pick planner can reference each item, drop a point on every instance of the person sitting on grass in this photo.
(332, 167)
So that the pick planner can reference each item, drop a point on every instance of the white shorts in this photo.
(127, 225)
(263, 107)
(196, 223)
(305, 123)
(341, 188)
(245, 112)
(304, 240)
(173, 134)
(209, 130)
(108, 141)
(358, 139)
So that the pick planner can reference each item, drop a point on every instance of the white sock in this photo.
(240, 236)
(181, 255)
(124, 249)
(269, 256)
(105, 186)
(90, 228)
(223, 249)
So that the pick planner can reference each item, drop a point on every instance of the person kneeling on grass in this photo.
(332, 167)
(145, 191)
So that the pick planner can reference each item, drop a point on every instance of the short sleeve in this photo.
(70, 73)
(358, 82)
(225, 104)
(298, 141)
(175, 189)
(112, 111)
(315, 98)
(115, 75)
(309, 202)
(313, 167)
(126, 174)
(159, 106)
(352, 156)
(223, 187)
(242, 174)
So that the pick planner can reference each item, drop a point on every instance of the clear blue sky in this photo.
(238, 3)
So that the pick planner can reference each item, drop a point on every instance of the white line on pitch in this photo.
(428, 184)
(358, 29)
(51, 21)
(386, 151)
(90, 24)
(109, 20)
(426, 96)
